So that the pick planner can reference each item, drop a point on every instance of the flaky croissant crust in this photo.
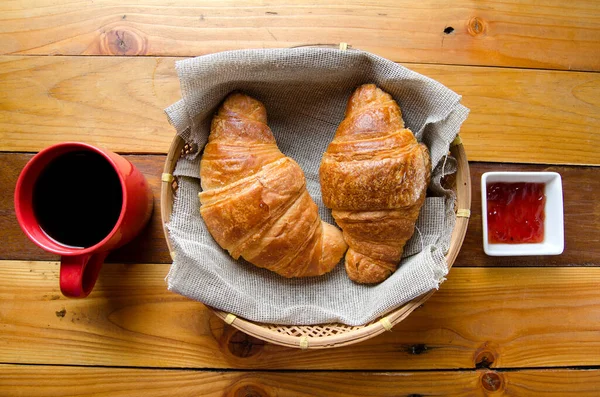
(374, 176)
(254, 200)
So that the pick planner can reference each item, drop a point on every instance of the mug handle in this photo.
(79, 273)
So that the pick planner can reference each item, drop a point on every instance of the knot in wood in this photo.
(123, 41)
(491, 381)
(243, 345)
(485, 356)
(250, 391)
(476, 26)
(484, 359)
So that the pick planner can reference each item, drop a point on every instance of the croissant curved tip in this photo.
(367, 95)
(364, 270)
(245, 106)
(334, 246)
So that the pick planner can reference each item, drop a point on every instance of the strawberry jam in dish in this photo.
(515, 212)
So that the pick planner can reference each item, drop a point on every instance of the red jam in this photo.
(515, 212)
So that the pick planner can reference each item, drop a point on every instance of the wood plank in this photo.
(112, 102)
(495, 317)
(582, 218)
(49, 381)
(552, 34)
(527, 116)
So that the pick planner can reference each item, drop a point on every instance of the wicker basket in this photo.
(328, 335)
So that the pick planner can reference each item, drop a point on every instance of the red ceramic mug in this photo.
(81, 202)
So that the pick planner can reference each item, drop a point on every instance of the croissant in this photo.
(254, 200)
(374, 176)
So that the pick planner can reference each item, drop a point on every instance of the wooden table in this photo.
(101, 72)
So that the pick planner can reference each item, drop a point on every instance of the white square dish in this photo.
(554, 241)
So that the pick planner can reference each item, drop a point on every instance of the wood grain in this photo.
(581, 186)
(552, 34)
(49, 381)
(527, 116)
(102, 101)
(484, 317)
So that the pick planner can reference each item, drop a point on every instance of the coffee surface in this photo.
(77, 199)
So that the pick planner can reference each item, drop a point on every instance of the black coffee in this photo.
(77, 199)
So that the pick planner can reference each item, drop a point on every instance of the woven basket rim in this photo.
(355, 334)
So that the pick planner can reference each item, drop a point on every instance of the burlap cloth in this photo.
(305, 91)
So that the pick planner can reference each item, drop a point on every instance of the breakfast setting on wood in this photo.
(298, 199)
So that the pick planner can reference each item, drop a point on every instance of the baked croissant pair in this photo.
(374, 177)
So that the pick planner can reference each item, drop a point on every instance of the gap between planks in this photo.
(49, 381)
(407, 64)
